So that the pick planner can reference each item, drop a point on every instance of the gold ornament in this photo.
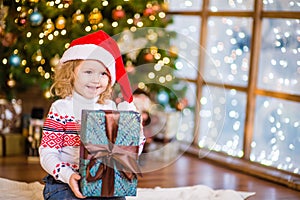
(60, 22)
(78, 17)
(173, 51)
(11, 82)
(95, 16)
(165, 6)
(33, 1)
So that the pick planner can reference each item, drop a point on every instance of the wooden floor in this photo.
(185, 171)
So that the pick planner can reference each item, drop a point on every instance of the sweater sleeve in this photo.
(51, 147)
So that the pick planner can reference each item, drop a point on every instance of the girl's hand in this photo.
(73, 183)
(126, 106)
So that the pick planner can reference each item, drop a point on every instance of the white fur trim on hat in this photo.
(91, 52)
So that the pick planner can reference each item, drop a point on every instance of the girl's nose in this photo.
(96, 78)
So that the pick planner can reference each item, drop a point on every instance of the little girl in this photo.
(84, 79)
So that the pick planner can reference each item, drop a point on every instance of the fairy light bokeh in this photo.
(276, 136)
(229, 46)
(280, 56)
(186, 64)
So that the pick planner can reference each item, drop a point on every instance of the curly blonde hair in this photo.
(64, 77)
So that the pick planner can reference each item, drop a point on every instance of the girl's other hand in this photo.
(126, 106)
(73, 183)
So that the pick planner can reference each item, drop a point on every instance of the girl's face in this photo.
(91, 78)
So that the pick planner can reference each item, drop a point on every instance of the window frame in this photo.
(243, 164)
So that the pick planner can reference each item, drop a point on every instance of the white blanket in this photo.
(16, 190)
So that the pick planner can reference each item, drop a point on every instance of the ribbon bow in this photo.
(121, 157)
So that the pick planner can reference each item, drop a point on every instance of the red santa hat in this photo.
(100, 46)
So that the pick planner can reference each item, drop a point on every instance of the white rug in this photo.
(16, 190)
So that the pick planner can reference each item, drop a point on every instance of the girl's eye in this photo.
(88, 72)
(104, 74)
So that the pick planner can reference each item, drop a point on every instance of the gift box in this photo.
(12, 144)
(109, 153)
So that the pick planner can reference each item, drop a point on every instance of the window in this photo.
(242, 60)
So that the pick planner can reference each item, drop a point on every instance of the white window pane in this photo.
(228, 50)
(188, 102)
(222, 120)
(276, 139)
(279, 66)
(281, 5)
(186, 42)
(232, 5)
(184, 5)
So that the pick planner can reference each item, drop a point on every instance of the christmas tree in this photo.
(35, 33)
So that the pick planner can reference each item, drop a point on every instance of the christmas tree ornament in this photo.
(153, 50)
(165, 6)
(10, 114)
(69, 2)
(78, 17)
(9, 39)
(11, 82)
(181, 104)
(3, 14)
(33, 1)
(173, 51)
(163, 97)
(60, 22)
(156, 7)
(118, 13)
(14, 60)
(148, 57)
(148, 11)
(36, 18)
(95, 16)
(22, 19)
(48, 27)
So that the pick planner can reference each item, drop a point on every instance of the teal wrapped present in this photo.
(109, 153)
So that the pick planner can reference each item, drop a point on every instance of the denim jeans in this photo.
(57, 190)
